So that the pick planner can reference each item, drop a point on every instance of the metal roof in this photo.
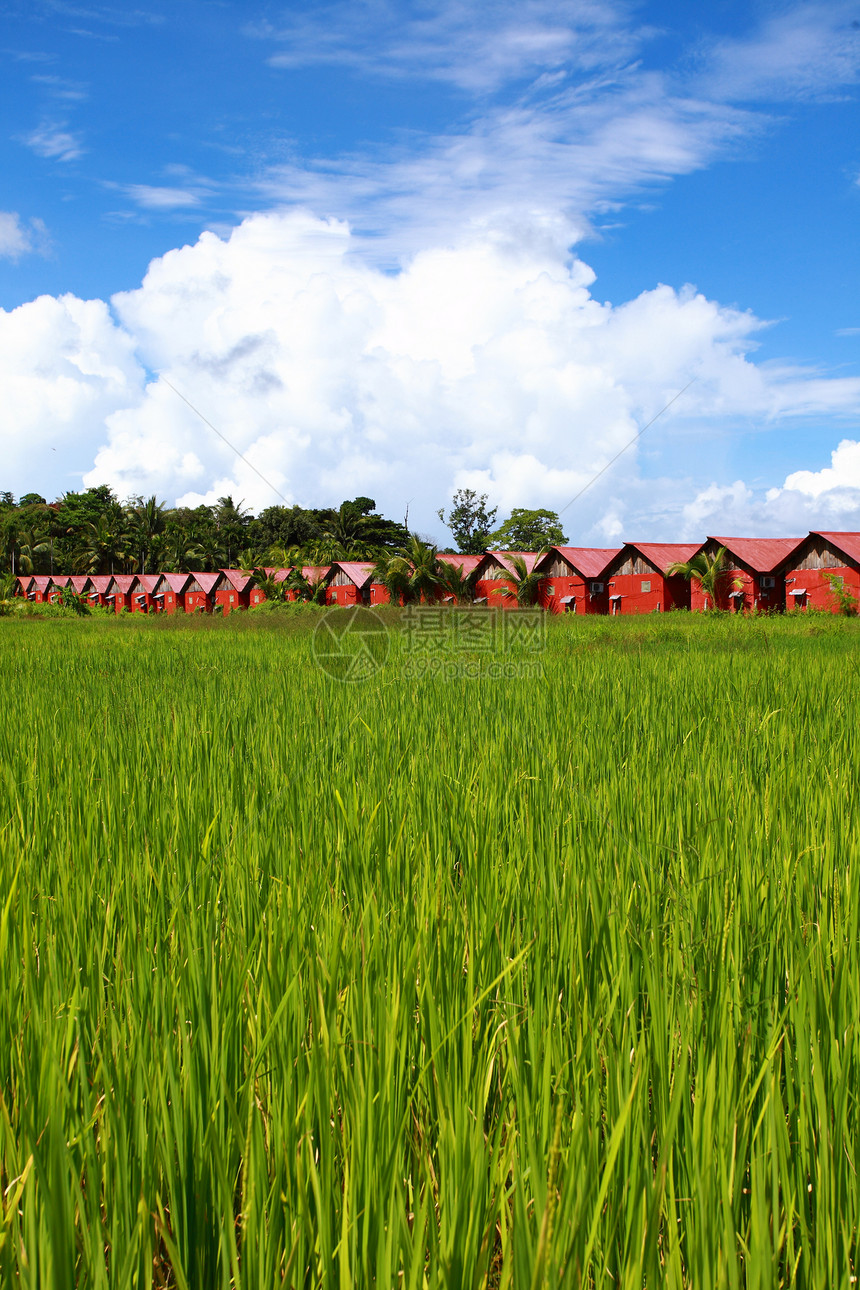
(79, 581)
(149, 581)
(207, 582)
(662, 554)
(42, 581)
(125, 582)
(588, 561)
(60, 580)
(239, 580)
(848, 543)
(762, 555)
(467, 563)
(177, 582)
(502, 560)
(358, 572)
(315, 572)
(100, 582)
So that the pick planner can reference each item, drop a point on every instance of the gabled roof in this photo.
(358, 572)
(100, 582)
(207, 582)
(280, 575)
(762, 555)
(662, 554)
(124, 582)
(149, 581)
(466, 563)
(502, 560)
(588, 561)
(60, 580)
(79, 581)
(177, 582)
(25, 581)
(42, 581)
(848, 543)
(238, 579)
(316, 572)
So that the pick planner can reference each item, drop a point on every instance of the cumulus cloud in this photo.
(64, 366)
(488, 363)
(18, 238)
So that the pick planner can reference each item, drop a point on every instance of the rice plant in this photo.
(533, 982)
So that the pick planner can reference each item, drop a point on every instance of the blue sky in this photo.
(717, 146)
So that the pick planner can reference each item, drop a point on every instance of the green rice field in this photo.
(536, 980)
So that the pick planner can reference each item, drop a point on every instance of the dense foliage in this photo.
(522, 982)
(93, 532)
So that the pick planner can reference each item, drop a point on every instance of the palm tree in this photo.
(273, 588)
(146, 521)
(104, 543)
(459, 585)
(410, 573)
(705, 569)
(526, 585)
(347, 533)
(33, 551)
(310, 589)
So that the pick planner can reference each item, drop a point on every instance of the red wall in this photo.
(552, 590)
(347, 595)
(665, 593)
(197, 600)
(754, 595)
(818, 594)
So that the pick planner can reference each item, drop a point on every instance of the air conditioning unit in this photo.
(767, 584)
(596, 588)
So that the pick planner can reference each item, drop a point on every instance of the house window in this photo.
(646, 586)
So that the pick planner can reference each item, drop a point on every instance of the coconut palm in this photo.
(454, 581)
(526, 585)
(311, 590)
(411, 573)
(705, 569)
(146, 522)
(273, 588)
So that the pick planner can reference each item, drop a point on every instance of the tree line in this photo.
(94, 532)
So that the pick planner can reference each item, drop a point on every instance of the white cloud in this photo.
(478, 49)
(161, 199)
(64, 366)
(488, 363)
(17, 238)
(806, 51)
(54, 140)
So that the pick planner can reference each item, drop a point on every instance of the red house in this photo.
(494, 585)
(637, 581)
(349, 583)
(120, 589)
(818, 559)
(39, 588)
(80, 584)
(142, 598)
(56, 587)
(24, 586)
(233, 590)
(99, 583)
(754, 574)
(170, 591)
(575, 579)
(200, 592)
(315, 574)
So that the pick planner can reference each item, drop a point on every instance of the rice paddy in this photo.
(422, 981)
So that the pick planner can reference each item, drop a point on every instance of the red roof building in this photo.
(233, 590)
(99, 583)
(349, 583)
(575, 581)
(199, 595)
(753, 577)
(40, 587)
(494, 584)
(820, 563)
(170, 591)
(24, 586)
(637, 581)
